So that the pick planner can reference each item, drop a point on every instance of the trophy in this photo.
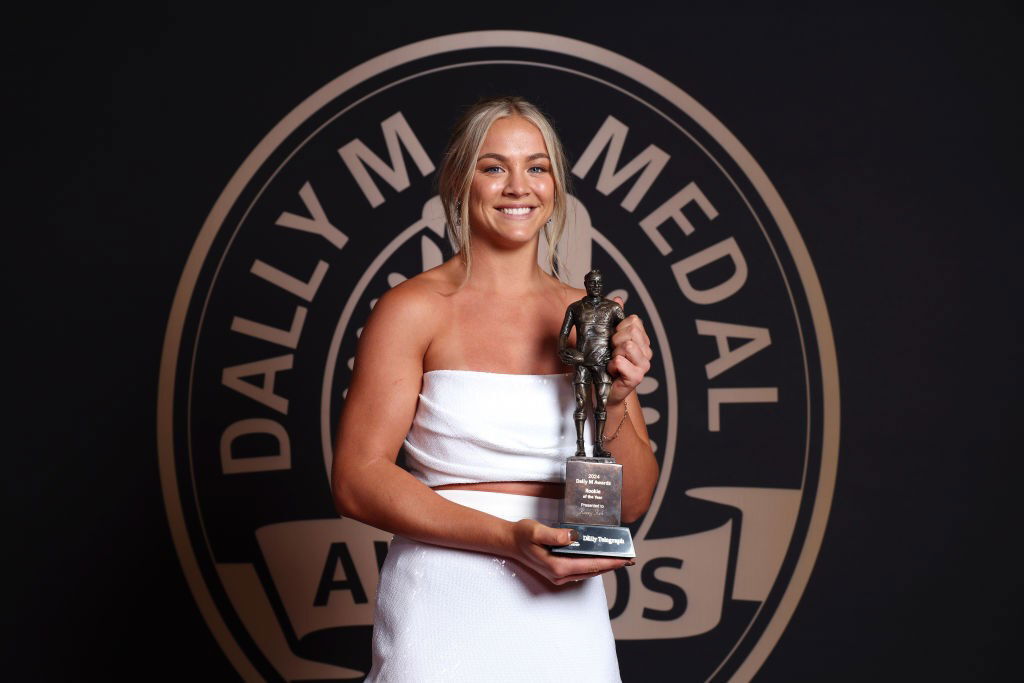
(593, 483)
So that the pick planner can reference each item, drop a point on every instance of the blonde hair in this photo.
(459, 164)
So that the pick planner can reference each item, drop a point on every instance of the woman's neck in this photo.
(505, 270)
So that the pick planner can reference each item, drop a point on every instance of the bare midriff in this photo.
(540, 489)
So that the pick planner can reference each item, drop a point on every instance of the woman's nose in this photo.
(517, 184)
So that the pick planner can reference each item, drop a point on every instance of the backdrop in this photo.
(814, 212)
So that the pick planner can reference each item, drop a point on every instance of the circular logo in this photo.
(337, 204)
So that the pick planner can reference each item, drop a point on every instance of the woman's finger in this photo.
(634, 363)
(627, 373)
(641, 346)
(579, 577)
(634, 333)
(641, 336)
(633, 351)
(584, 568)
(562, 566)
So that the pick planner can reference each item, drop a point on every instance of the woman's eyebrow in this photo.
(504, 159)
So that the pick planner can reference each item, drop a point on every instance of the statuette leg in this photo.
(580, 415)
(600, 417)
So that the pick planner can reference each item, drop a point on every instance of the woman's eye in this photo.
(538, 169)
(493, 169)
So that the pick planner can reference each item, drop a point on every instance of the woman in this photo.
(461, 364)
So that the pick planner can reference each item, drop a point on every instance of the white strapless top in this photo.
(475, 427)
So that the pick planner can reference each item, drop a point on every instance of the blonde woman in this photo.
(460, 367)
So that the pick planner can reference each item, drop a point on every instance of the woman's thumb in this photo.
(553, 536)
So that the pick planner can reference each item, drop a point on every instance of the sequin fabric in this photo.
(453, 615)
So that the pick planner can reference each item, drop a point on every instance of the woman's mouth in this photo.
(516, 211)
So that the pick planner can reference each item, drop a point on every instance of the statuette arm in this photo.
(567, 355)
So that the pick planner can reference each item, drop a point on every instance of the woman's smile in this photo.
(517, 212)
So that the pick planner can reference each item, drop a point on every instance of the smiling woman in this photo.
(460, 368)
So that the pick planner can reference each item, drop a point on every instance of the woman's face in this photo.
(513, 190)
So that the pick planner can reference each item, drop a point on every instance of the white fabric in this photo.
(454, 615)
(481, 426)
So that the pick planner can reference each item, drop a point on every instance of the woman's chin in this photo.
(511, 239)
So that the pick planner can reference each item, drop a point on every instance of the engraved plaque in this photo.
(593, 491)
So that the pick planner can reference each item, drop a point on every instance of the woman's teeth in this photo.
(518, 211)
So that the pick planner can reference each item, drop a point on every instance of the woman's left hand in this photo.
(631, 357)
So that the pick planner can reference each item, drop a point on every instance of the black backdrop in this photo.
(892, 135)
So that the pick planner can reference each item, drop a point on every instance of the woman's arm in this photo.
(379, 408)
(631, 360)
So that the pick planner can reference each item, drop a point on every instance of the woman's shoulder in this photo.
(571, 294)
(417, 300)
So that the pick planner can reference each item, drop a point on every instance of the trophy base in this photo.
(599, 541)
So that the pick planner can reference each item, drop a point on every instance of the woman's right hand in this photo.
(532, 540)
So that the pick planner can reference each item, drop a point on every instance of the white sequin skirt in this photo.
(455, 615)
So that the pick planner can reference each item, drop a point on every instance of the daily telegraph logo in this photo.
(337, 204)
